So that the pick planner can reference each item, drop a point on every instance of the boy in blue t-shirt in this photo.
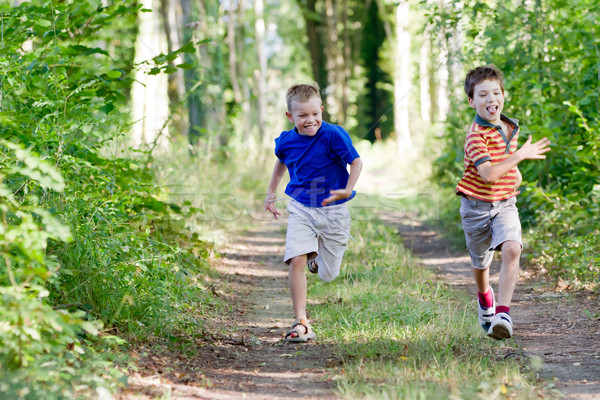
(316, 155)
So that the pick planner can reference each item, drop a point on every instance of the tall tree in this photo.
(172, 19)
(442, 71)
(346, 62)
(192, 76)
(425, 76)
(205, 82)
(233, 15)
(316, 46)
(377, 104)
(261, 72)
(150, 100)
(402, 79)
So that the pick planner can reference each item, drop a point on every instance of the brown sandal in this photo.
(312, 266)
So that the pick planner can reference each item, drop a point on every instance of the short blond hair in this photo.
(301, 93)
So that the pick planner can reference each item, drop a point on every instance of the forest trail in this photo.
(558, 331)
(249, 360)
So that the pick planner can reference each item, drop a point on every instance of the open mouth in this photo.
(492, 109)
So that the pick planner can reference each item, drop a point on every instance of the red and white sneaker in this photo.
(486, 314)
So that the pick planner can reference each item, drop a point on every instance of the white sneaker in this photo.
(486, 314)
(501, 327)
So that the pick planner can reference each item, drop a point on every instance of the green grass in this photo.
(400, 332)
(404, 335)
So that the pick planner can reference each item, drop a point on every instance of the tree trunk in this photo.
(246, 94)
(333, 62)
(191, 76)
(316, 48)
(261, 73)
(424, 76)
(442, 73)
(150, 110)
(231, 41)
(402, 79)
(170, 23)
(346, 62)
(455, 68)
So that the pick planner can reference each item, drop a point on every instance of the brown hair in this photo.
(301, 94)
(480, 74)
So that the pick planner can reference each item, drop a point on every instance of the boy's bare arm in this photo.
(340, 194)
(529, 151)
(278, 172)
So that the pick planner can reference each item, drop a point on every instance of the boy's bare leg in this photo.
(482, 279)
(297, 279)
(509, 272)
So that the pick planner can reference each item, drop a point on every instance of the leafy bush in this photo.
(88, 246)
(37, 343)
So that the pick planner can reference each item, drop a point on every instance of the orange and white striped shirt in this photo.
(487, 142)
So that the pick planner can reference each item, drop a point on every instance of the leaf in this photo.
(171, 56)
(44, 22)
(114, 74)
(90, 327)
(107, 108)
(185, 65)
(83, 50)
(187, 48)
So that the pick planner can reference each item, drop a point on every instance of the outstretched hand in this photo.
(270, 205)
(535, 151)
(336, 195)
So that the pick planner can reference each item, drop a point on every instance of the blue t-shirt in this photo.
(316, 164)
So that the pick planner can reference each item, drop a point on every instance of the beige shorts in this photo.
(487, 225)
(318, 232)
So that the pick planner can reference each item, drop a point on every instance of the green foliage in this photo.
(548, 51)
(88, 244)
(38, 344)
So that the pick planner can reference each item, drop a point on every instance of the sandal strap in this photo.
(300, 323)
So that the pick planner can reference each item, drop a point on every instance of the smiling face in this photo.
(306, 116)
(488, 100)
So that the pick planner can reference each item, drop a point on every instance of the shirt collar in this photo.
(483, 122)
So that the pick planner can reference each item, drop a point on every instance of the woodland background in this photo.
(111, 110)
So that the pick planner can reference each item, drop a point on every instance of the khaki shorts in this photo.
(487, 225)
(318, 232)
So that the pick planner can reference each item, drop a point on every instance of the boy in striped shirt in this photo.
(488, 191)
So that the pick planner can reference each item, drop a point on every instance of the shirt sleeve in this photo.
(476, 149)
(278, 152)
(341, 146)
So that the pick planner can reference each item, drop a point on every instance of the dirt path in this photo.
(559, 328)
(248, 360)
